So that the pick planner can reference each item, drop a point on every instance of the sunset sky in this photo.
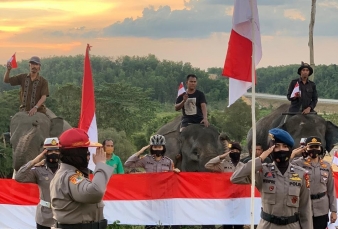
(195, 31)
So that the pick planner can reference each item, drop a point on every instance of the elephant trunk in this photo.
(21, 150)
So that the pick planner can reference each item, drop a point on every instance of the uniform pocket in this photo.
(293, 197)
(269, 194)
(324, 177)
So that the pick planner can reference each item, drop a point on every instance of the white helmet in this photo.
(51, 143)
(157, 140)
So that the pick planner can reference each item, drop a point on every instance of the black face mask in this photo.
(78, 159)
(235, 157)
(305, 154)
(313, 153)
(158, 153)
(52, 159)
(283, 157)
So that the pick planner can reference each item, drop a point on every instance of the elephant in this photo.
(196, 144)
(299, 126)
(29, 132)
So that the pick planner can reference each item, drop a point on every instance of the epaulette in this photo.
(300, 168)
(167, 158)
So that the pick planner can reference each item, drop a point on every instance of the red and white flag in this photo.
(13, 62)
(295, 90)
(335, 158)
(181, 89)
(238, 61)
(87, 117)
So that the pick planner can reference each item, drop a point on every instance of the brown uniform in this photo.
(31, 91)
(75, 199)
(41, 176)
(218, 165)
(323, 194)
(149, 163)
(282, 195)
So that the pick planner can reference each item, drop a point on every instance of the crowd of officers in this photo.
(296, 192)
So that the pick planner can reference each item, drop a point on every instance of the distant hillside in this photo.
(163, 77)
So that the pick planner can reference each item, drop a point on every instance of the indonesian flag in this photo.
(335, 158)
(87, 117)
(167, 198)
(12, 60)
(181, 89)
(295, 90)
(238, 61)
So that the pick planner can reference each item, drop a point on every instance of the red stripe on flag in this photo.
(238, 60)
(88, 101)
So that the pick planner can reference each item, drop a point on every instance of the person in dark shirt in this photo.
(259, 151)
(193, 104)
(306, 99)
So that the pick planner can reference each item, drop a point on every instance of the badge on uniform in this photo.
(295, 177)
(294, 199)
(324, 165)
(76, 178)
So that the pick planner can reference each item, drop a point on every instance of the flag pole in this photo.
(253, 117)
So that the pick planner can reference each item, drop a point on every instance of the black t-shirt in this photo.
(192, 107)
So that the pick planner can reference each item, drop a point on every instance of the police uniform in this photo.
(285, 197)
(76, 201)
(323, 195)
(218, 165)
(149, 163)
(41, 176)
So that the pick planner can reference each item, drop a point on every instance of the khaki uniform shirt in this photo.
(149, 163)
(41, 176)
(76, 199)
(31, 91)
(218, 165)
(321, 180)
(282, 195)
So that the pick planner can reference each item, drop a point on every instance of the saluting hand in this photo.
(142, 150)
(298, 151)
(38, 158)
(267, 152)
(99, 156)
(224, 155)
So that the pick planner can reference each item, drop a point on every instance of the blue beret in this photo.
(279, 135)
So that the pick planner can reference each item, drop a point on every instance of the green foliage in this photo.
(6, 169)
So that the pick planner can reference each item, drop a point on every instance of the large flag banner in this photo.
(335, 158)
(164, 198)
(87, 117)
(13, 62)
(295, 91)
(238, 61)
(181, 89)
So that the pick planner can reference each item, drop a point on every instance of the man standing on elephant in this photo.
(41, 172)
(323, 193)
(193, 104)
(284, 188)
(34, 88)
(305, 98)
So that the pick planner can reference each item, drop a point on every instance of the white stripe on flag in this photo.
(92, 133)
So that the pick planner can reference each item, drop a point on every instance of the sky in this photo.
(195, 31)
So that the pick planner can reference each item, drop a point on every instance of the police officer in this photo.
(284, 187)
(323, 195)
(156, 161)
(77, 201)
(41, 172)
(220, 164)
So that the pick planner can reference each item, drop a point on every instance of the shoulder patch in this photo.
(76, 178)
(307, 180)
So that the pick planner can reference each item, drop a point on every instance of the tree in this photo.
(312, 23)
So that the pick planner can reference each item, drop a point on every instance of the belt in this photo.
(318, 196)
(93, 225)
(45, 203)
(279, 220)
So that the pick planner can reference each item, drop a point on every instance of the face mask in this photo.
(281, 157)
(235, 156)
(305, 154)
(313, 153)
(158, 153)
(109, 150)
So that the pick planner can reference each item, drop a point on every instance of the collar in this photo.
(300, 80)
(37, 77)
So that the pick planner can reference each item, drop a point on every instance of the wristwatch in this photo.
(36, 107)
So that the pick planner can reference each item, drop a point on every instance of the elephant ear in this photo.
(331, 135)
(56, 128)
